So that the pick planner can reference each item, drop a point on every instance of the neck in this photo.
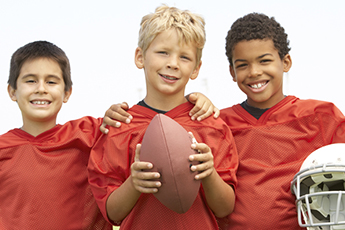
(36, 128)
(166, 102)
(266, 104)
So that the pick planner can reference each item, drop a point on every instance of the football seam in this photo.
(172, 169)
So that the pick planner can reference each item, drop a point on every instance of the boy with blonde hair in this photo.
(169, 52)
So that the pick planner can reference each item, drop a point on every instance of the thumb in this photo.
(192, 97)
(137, 153)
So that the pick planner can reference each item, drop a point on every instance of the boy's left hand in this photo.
(205, 157)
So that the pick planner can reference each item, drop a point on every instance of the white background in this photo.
(100, 37)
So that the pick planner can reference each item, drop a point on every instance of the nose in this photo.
(41, 87)
(255, 71)
(173, 63)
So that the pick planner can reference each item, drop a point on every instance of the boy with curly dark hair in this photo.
(273, 133)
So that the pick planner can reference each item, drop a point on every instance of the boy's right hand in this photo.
(115, 115)
(144, 182)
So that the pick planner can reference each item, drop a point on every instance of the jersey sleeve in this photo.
(108, 156)
(218, 137)
(85, 128)
(333, 124)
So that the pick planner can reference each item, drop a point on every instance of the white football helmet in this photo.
(319, 189)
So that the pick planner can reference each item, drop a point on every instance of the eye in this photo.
(51, 82)
(265, 61)
(162, 52)
(241, 65)
(30, 81)
(185, 58)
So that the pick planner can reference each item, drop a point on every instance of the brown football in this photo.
(167, 145)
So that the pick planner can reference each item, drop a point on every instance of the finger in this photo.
(116, 112)
(103, 128)
(144, 175)
(108, 121)
(203, 174)
(201, 148)
(204, 113)
(203, 165)
(124, 105)
(146, 190)
(195, 111)
(148, 184)
(216, 112)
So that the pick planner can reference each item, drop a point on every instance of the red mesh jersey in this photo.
(271, 151)
(43, 179)
(113, 155)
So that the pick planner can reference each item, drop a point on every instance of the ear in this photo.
(139, 58)
(287, 62)
(232, 72)
(196, 71)
(12, 93)
(67, 95)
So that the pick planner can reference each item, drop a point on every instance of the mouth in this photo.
(168, 77)
(258, 85)
(37, 102)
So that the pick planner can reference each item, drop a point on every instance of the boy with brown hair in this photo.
(43, 164)
(169, 52)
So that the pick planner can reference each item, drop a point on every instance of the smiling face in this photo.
(168, 64)
(258, 71)
(40, 92)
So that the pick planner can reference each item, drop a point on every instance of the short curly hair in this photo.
(257, 26)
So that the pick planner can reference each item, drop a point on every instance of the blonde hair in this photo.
(190, 27)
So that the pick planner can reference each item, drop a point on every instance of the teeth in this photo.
(40, 102)
(257, 86)
(170, 78)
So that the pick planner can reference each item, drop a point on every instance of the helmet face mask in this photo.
(319, 188)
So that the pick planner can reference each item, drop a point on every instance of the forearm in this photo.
(220, 196)
(121, 201)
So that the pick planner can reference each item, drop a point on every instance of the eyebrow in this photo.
(34, 75)
(261, 56)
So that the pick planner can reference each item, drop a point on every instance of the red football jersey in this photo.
(43, 179)
(113, 155)
(271, 151)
